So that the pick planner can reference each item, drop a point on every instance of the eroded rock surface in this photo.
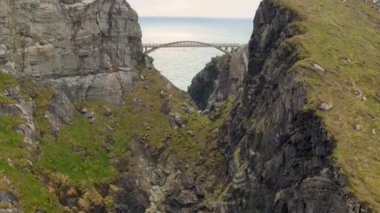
(89, 49)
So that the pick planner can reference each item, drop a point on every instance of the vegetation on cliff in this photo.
(15, 170)
(93, 150)
(6, 82)
(340, 48)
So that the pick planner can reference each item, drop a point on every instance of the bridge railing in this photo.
(152, 45)
(224, 47)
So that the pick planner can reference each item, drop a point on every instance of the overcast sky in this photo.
(196, 8)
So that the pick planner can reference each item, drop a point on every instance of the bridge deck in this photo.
(224, 47)
(192, 44)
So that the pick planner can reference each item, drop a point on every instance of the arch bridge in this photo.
(224, 47)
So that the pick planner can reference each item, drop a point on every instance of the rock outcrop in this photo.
(90, 48)
(220, 79)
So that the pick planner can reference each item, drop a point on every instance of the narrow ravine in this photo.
(288, 123)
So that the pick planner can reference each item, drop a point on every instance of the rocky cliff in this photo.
(220, 79)
(88, 48)
(292, 140)
(54, 54)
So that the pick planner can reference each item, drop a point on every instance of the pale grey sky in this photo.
(198, 8)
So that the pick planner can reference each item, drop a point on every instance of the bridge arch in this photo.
(149, 48)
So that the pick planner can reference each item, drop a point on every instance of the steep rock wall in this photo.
(280, 155)
(90, 49)
(87, 50)
(220, 79)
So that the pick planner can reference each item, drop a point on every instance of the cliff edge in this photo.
(303, 137)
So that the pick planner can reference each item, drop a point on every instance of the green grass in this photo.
(78, 154)
(84, 152)
(135, 119)
(11, 143)
(30, 190)
(57, 161)
(6, 82)
(42, 95)
(336, 30)
(91, 163)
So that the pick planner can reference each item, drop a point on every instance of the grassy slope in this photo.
(147, 113)
(88, 165)
(30, 189)
(82, 155)
(337, 30)
(6, 82)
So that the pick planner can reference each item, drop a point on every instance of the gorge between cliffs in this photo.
(288, 123)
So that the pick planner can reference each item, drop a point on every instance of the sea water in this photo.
(180, 65)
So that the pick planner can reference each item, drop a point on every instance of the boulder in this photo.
(325, 106)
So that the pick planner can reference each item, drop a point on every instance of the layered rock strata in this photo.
(89, 48)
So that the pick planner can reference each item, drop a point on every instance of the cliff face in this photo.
(278, 147)
(280, 144)
(90, 49)
(52, 55)
(220, 79)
